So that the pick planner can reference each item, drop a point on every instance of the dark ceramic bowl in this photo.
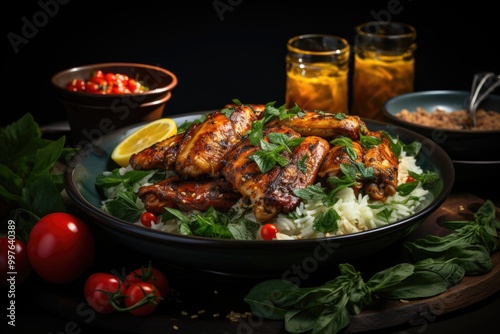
(93, 115)
(461, 145)
(249, 258)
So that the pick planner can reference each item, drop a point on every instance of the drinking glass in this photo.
(384, 65)
(317, 68)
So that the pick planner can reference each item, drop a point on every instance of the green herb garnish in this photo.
(442, 262)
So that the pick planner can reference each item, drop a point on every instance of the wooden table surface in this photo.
(201, 302)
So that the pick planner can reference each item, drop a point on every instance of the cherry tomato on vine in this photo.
(13, 258)
(145, 293)
(147, 218)
(268, 231)
(150, 275)
(101, 290)
(60, 247)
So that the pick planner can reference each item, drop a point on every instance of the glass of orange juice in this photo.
(384, 65)
(317, 67)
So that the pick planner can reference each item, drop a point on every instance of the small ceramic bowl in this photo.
(460, 144)
(93, 115)
(475, 153)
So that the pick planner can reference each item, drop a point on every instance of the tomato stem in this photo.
(149, 298)
(115, 297)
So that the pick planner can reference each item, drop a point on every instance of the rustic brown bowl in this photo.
(93, 115)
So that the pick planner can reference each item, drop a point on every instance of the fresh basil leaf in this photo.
(449, 270)
(422, 283)
(407, 188)
(331, 319)
(326, 221)
(390, 276)
(262, 295)
(474, 259)
(124, 206)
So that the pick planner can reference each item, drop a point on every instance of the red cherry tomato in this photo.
(118, 89)
(133, 86)
(13, 259)
(268, 231)
(147, 218)
(93, 88)
(98, 80)
(146, 294)
(60, 247)
(110, 77)
(150, 275)
(76, 85)
(410, 179)
(98, 74)
(121, 78)
(101, 290)
(106, 83)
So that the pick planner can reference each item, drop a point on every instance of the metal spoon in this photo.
(482, 85)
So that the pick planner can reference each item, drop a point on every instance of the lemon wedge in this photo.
(142, 138)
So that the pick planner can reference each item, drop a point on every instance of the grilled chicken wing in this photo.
(213, 166)
(161, 155)
(326, 125)
(173, 192)
(199, 150)
(335, 157)
(338, 155)
(385, 166)
(206, 144)
(272, 192)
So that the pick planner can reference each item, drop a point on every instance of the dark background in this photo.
(235, 52)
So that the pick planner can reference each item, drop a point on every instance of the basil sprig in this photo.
(441, 262)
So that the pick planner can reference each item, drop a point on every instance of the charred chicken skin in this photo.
(272, 192)
(385, 167)
(174, 192)
(325, 125)
(199, 150)
(213, 162)
(337, 156)
(161, 155)
(206, 144)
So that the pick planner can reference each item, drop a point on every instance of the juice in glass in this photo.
(384, 66)
(317, 73)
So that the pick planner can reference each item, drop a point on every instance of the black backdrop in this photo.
(223, 49)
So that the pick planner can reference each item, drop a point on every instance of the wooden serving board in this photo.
(472, 289)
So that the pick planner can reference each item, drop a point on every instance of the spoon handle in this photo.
(482, 85)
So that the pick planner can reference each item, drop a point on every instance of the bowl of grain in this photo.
(441, 116)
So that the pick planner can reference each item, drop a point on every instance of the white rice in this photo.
(356, 213)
